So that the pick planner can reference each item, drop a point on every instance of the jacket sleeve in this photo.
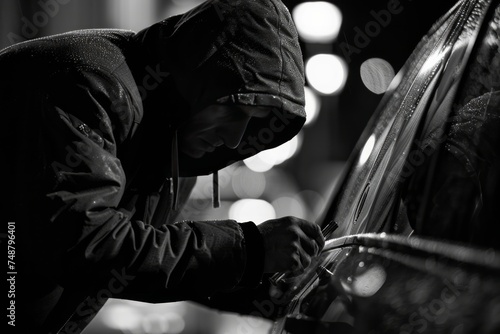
(97, 242)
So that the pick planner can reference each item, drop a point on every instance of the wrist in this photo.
(254, 249)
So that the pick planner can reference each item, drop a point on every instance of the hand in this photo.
(290, 243)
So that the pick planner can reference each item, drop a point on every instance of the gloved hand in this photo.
(289, 244)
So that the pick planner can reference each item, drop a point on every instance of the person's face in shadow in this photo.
(215, 126)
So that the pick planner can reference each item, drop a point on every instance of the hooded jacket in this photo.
(89, 140)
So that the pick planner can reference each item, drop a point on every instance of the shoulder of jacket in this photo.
(103, 75)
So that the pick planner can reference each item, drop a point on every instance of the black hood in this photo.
(228, 52)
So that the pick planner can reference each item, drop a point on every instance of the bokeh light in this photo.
(122, 317)
(175, 322)
(289, 206)
(247, 183)
(255, 210)
(203, 188)
(256, 164)
(376, 75)
(267, 159)
(285, 151)
(367, 283)
(313, 105)
(326, 73)
(134, 317)
(168, 323)
(317, 22)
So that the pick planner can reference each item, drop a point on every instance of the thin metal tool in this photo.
(326, 231)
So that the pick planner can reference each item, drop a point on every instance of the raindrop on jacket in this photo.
(89, 118)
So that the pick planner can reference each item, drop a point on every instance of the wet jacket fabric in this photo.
(89, 121)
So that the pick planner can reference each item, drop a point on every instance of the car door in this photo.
(390, 265)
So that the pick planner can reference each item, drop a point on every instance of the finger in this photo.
(297, 262)
(305, 260)
(313, 231)
(308, 227)
(309, 245)
(320, 241)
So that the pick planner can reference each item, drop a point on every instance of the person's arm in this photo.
(96, 240)
(289, 245)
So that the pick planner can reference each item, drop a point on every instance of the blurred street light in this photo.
(255, 210)
(317, 22)
(326, 73)
(313, 105)
(376, 74)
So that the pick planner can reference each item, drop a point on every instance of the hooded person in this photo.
(106, 131)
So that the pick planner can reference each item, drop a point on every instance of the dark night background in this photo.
(343, 116)
(326, 143)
